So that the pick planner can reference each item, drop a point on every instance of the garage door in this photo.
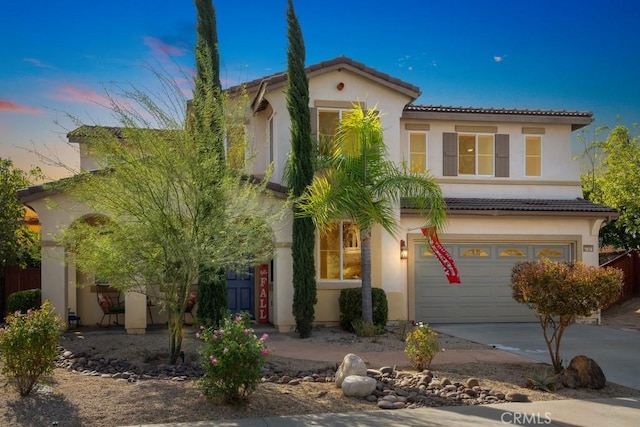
(485, 271)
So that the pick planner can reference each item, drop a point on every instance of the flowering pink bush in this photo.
(232, 358)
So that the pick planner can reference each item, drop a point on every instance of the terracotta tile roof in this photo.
(520, 205)
(281, 77)
(503, 111)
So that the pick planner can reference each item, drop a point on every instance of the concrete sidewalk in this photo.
(617, 412)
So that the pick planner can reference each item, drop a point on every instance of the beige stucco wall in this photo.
(560, 173)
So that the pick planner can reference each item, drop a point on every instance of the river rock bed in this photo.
(394, 389)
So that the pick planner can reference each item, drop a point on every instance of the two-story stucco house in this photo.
(511, 186)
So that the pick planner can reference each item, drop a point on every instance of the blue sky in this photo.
(58, 56)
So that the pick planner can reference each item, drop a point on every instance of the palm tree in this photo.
(356, 181)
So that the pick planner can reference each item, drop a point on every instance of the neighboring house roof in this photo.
(488, 206)
(577, 119)
(83, 132)
(342, 62)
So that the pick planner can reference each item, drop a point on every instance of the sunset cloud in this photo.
(77, 94)
(12, 107)
(160, 48)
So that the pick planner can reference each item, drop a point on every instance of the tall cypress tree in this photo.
(302, 169)
(208, 123)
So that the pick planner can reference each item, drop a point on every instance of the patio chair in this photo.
(109, 302)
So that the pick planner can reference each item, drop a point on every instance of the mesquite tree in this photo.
(559, 292)
(161, 216)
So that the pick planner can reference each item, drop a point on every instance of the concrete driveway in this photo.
(616, 351)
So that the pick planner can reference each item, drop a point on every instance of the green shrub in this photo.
(24, 300)
(350, 302)
(232, 358)
(421, 346)
(28, 347)
(368, 330)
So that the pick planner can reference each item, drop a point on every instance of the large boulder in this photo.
(583, 372)
(351, 365)
(358, 386)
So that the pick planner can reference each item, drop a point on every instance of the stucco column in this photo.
(282, 300)
(135, 315)
(54, 277)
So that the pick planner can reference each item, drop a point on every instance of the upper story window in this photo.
(236, 143)
(479, 154)
(340, 252)
(418, 152)
(328, 126)
(270, 136)
(533, 155)
(476, 154)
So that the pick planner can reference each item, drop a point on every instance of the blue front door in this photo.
(240, 291)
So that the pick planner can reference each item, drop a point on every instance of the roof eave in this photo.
(520, 213)
(576, 122)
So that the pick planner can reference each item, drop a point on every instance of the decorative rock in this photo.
(386, 370)
(473, 382)
(385, 404)
(351, 365)
(516, 397)
(496, 394)
(583, 372)
(358, 386)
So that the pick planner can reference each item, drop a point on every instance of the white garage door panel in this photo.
(484, 294)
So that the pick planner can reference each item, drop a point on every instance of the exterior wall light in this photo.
(404, 251)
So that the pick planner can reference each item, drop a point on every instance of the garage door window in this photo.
(340, 252)
(477, 252)
(512, 252)
(550, 253)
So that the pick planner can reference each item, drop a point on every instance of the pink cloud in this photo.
(76, 94)
(160, 48)
(6, 105)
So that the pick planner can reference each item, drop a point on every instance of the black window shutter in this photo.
(450, 154)
(502, 155)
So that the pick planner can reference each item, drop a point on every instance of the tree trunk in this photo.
(367, 301)
(176, 321)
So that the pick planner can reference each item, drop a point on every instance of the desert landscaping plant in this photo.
(559, 292)
(542, 380)
(421, 346)
(28, 347)
(232, 358)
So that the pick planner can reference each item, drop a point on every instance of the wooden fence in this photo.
(629, 263)
(18, 279)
